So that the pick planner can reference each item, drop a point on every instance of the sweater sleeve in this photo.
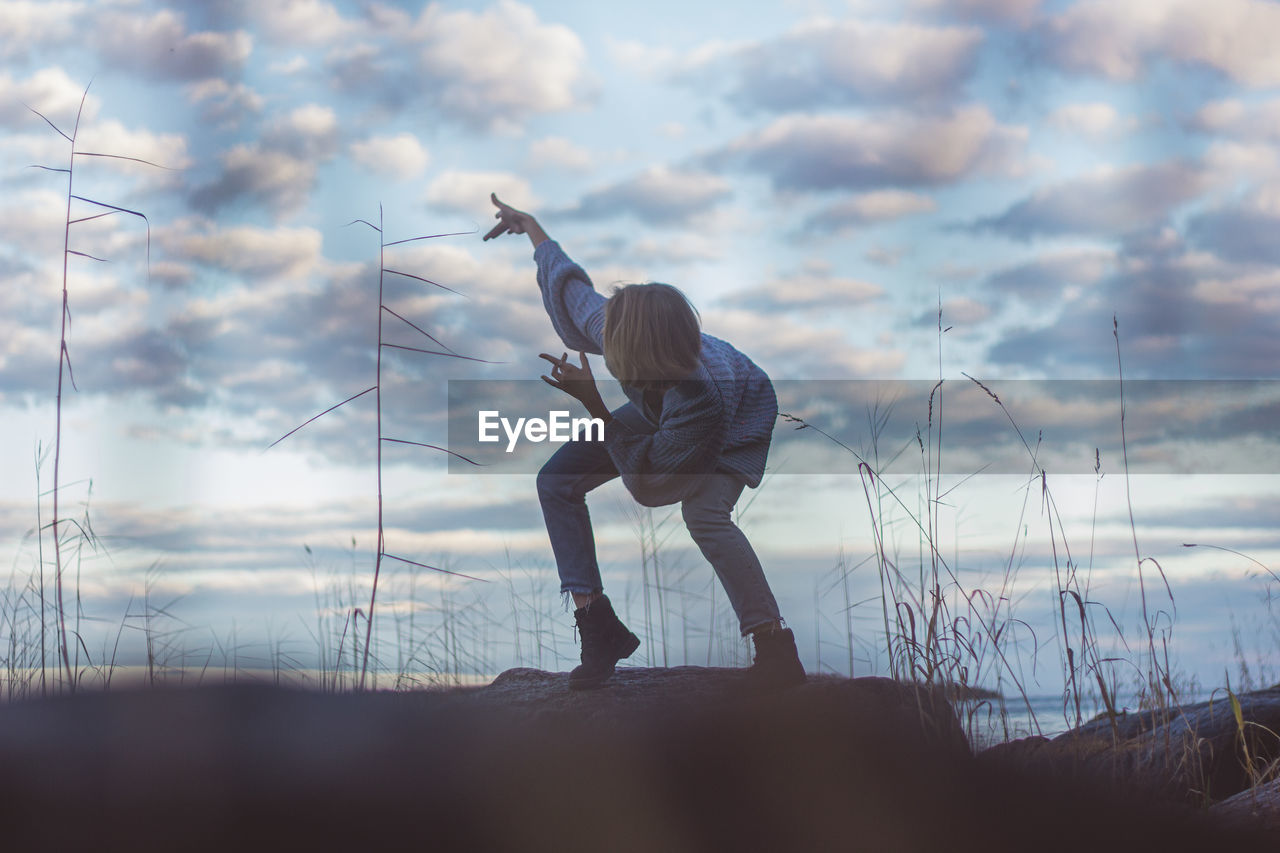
(656, 467)
(575, 308)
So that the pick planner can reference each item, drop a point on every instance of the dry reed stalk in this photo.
(376, 389)
(64, 355)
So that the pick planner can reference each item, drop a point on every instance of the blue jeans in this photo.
(580, 466)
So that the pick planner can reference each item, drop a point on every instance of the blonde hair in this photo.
(652, 335)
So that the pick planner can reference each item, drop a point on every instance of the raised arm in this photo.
(575, 308)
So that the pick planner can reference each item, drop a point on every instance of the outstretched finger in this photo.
(497, 231)
(558, 362)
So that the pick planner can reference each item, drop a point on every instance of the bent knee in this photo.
(553, 486)
(705, 519)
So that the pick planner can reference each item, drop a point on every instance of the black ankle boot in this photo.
(605, 641)
(777, 664)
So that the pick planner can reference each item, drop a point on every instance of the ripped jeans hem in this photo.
(566, 597)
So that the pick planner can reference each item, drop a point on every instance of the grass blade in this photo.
(447, 354)
(415, 326)
(434, 568)
(71, 374)
(95, 216)
(87, 255)
(1261, 565)
(122, 157)
(141, 216)
(51, 124)
(322, 414)
(427, 280)
(434, 447)
(112, 207)
(428, 237)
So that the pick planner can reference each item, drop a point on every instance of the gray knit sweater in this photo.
(718, 419)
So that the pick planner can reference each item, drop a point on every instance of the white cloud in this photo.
(468, 192)
(48, 90)
(34, 220)
(1226, 114)
(658, 195)
(787, 349)
(277, 179)
(278, 170)
(864, 208)
(244, 249)
(640, 58)
(1242, 230)
(1198, 311)
(112, 347)
(312, 128)
(168, 150)
(159, 46)
(1094, 118)
(824, 62)
(496, 68)
(302, 21)
(1106, 202)
(293, 65)
(1255, 122)
(807, 152)
(1053, 274)
(491, 69)
(1019, 11)
(26, 25)
(678, 249)
(1257, 293)
(1228, 160)
(367, 67)
(556, 152)
(884, 256)
(1119, 40)
(962, 311)
(401, 155)
(225, 103)
(812, 289)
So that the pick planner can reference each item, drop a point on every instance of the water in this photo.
(987, 724)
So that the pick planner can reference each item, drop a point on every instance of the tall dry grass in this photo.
(358, 615)
(68, 640)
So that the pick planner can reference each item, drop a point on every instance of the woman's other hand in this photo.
(577, 381)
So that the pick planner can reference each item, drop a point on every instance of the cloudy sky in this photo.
(821, 178)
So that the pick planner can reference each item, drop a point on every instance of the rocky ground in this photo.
(659, 760)
(1202, 756)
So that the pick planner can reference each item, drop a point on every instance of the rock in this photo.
(911, 711)
(1194, 755)
(671, 760)
(1257, 807)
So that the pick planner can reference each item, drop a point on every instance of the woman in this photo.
(696, 431)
